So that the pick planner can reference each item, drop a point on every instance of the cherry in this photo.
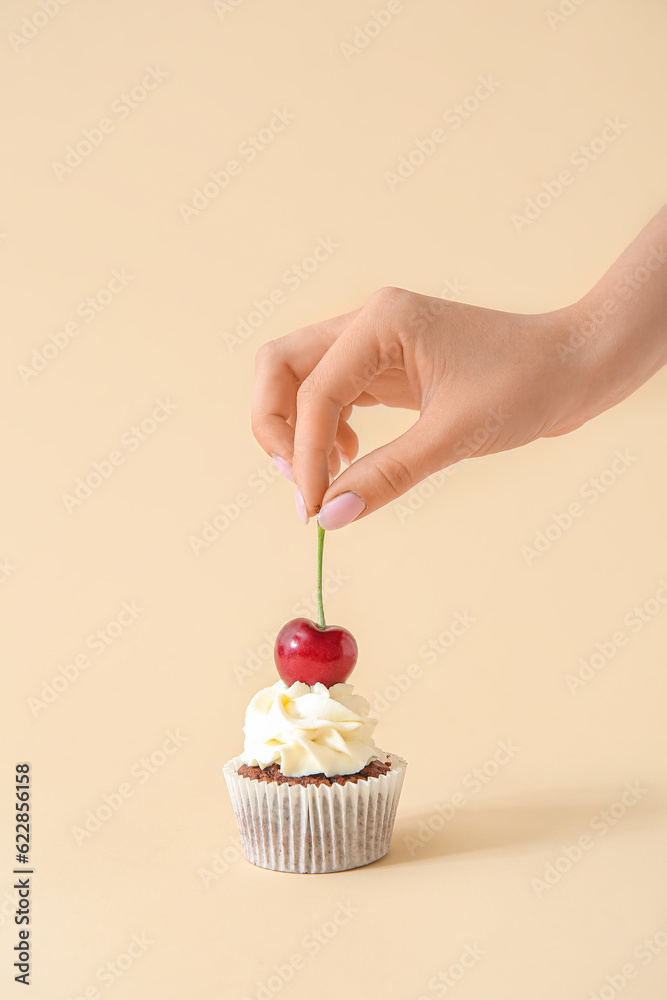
(310, 654)
(315, 653)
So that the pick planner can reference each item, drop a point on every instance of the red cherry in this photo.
(306, 653)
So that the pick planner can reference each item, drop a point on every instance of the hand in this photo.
(483, 381)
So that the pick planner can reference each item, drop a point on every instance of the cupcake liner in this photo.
(315, 828)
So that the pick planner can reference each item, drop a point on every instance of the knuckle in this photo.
(260, 426)
(256, 424)
(266, 352)
(307, 392)
(387, 297)
(317, 395)
(389, 311)
(395, 476)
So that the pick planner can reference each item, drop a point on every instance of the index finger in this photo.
(280, 368)
(341, 375)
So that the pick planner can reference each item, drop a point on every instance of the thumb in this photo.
(386, 473)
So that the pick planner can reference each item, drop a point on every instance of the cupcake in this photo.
(311, 792)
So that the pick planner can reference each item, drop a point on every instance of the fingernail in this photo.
(284, 467)
(344, 458)
(340, 511)
(301, 507)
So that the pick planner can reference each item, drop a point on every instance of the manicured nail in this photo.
(344, 458)
(340, 511)
(284, 467)
(301, 507)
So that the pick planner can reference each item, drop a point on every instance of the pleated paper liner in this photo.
(312, 829)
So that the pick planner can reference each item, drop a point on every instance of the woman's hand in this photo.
(483, 381)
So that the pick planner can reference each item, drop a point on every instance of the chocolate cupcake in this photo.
(312, 792)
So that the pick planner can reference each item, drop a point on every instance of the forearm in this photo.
(622, 322)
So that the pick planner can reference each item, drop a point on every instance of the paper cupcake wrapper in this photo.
(315, 828)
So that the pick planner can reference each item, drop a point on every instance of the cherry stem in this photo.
(321, 623)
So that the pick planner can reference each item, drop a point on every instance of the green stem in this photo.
(320, 549)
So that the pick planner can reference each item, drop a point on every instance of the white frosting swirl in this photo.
(309, 730)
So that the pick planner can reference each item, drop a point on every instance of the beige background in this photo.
(398, 578)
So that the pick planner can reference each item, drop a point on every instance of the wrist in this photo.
(578, 369)
(622, 329)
